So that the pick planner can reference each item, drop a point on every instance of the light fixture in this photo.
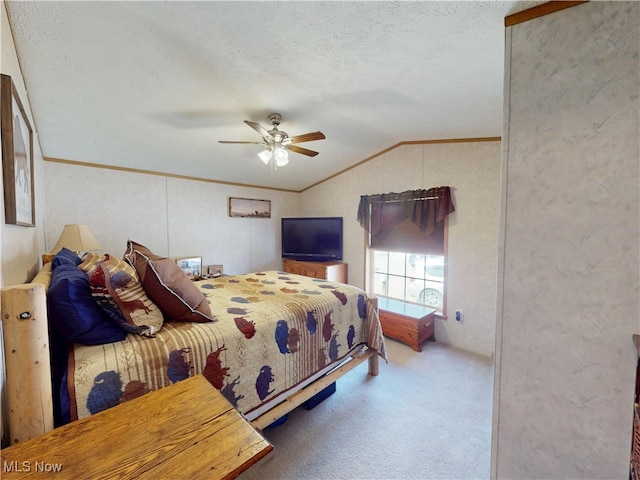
(265, 156)
(276, 153)
(281, 156)
(77, 238)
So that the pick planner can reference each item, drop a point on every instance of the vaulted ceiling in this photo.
(156, 85)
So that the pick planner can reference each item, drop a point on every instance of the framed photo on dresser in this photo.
(192, 266)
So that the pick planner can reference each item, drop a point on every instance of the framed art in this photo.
(246, 207)
(17, 158)
(192, 266)
(215, 270)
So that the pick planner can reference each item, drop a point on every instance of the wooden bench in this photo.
(186, 430)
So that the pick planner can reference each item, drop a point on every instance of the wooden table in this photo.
(187, 430)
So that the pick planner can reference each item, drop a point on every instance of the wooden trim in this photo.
(161, 174)
(538, 11)
(452, 140)
(401, 144)
(221, 182)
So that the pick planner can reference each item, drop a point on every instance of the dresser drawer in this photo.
(333, 271)
(292, 267)
(314, 272)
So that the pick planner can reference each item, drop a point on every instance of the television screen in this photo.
(312, 238)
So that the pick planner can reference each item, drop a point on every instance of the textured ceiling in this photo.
(156, 85)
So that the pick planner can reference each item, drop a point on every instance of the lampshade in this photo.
(265, 156)
(281, 156)
(77, 238)
(276, 153)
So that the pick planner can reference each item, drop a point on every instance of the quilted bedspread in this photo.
(273, 331)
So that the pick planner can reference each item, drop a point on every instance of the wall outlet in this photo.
(459, 315)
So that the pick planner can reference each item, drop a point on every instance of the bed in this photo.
(271, 341)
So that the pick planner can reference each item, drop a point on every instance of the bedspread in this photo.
(273, 331)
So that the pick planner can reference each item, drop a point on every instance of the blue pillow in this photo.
(74, 312)
(65, 257)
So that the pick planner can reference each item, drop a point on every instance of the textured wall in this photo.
(172, 216)
(19, 246)
(472, 170)
(565, 358)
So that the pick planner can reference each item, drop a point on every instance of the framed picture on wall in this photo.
(246, 207)
(192, 266)
(17, 157)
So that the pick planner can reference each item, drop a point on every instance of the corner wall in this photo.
(472, 171)
(570, 263)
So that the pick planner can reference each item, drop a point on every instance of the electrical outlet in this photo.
(459, 315)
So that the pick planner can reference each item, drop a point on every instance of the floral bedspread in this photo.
(273, 331)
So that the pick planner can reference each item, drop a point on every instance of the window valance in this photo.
(411, 221)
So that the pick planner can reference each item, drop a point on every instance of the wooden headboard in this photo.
(27, 361)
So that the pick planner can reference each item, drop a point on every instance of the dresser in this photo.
(333, 270)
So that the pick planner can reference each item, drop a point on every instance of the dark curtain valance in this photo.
(427, 209)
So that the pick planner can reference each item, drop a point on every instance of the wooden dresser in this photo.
(410, 323)
(333, 271)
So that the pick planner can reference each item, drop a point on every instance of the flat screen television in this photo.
(312, 238)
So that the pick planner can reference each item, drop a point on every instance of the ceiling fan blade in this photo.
(231, 141)
(301, 150)
(307, 137)
(261, 130)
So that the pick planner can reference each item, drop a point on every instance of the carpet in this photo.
(426, 415)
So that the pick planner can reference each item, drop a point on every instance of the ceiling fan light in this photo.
(265, 156)
(282, 157)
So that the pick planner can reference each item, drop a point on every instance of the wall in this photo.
(172, 216)
(19, 246)
(472, 170)
(570, 267)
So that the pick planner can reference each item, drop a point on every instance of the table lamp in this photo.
(77, 238)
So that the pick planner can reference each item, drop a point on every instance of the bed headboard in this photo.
(27, 362)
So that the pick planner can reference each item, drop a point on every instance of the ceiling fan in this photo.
(279, 142)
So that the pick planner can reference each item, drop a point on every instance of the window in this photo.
(409, 277)
(407, 244)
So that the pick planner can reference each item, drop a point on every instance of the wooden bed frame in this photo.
(28, 368)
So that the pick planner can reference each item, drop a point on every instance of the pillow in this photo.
(74, 313)
(168, 286)
(65, 257)
(116, 288)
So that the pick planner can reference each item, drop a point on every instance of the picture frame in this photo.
(192, 266)
(250, 208)
(17, 157)
(215, 270)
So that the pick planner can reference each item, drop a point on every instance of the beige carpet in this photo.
(426, 416)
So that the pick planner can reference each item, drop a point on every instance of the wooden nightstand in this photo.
(407, 322)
